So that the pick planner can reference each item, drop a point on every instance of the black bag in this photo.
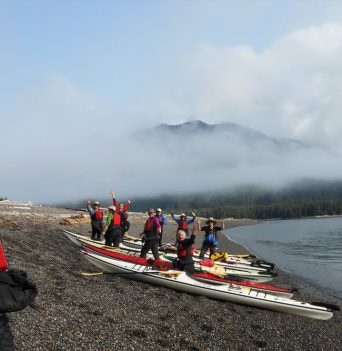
(16, 292)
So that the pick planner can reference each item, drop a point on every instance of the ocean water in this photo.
(310, 248)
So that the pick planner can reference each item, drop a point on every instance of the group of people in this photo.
(117, 224)
(184, 243)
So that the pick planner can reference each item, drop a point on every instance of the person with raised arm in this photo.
(185, 251)
(183, 223)
(96, 216)
(210, 241)
(122, 209)
(151, 235)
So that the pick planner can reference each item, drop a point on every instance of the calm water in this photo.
(311, 248)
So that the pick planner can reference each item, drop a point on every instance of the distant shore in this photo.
(106, 312)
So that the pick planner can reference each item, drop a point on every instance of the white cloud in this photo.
(67, 144)
(298, 78)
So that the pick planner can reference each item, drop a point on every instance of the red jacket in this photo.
(125, 208)
(3, 261)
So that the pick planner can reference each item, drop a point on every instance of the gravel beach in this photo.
(106, 312)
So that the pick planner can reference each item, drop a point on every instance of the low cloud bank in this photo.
(61, 144)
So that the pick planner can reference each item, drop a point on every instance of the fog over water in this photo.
(60, 142)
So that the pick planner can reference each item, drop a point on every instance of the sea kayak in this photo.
(78, 239)
(180, 281)
(260, 277)
(206, 275)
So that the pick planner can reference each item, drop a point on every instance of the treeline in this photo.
(304, 199)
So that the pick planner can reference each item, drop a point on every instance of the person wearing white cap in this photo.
(162, 221)
(112, 230)
(210, 240)
(96, 216)
(183, 223)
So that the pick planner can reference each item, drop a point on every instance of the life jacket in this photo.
(116, 220)
(219, 256)
(97, 216)
(150, 229)
(182, 225)
(123, 215)
(207, 263)
(149, 225)
(211, 236)
(184, 251)
(3, 261)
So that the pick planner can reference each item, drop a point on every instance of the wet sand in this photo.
(106, 312)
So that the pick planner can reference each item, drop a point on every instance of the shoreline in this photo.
(107, 312)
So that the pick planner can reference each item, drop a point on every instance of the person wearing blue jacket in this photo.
(210, 241)
(162, 221)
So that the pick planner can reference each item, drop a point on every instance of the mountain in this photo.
(236, 133)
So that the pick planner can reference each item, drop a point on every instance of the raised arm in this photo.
(90, 209)
(114, 199)
(126, 206)
(222, 223)
(199, 224)
(174, 218)
(192, 220)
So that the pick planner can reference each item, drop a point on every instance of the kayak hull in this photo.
(182, 282)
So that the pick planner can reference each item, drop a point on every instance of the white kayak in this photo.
(224, 272)
(77, 239)
(206, 274)
(180, 281)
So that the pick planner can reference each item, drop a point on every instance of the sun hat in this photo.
(182, 215)
(210, 219)
(159, 210)
(112, 207)
(96, 203)
(151, 210)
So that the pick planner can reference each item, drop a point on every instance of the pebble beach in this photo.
(107, 312)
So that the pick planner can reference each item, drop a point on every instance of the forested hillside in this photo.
(303, 199)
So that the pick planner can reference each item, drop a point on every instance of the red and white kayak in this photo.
(200, 275)
(180, 281)
(264, 275)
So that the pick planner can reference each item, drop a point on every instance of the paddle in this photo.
(131, 237)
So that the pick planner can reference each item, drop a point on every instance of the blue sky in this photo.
(115, 49)
(70, 69)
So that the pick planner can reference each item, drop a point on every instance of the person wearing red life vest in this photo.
(112, 230)
(96, 216)
(122, 209)
(151, 233)
(185, 252)
(183, 223)
(6, 336)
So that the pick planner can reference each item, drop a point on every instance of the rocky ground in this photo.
(106, 312)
